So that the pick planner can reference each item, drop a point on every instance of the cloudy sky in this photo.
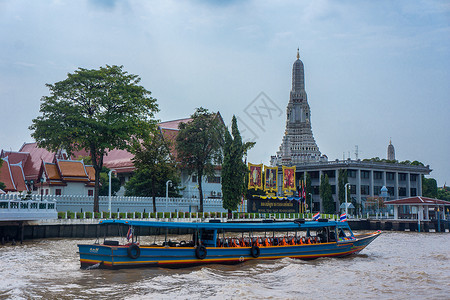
(375, 70)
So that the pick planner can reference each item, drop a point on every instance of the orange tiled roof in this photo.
(12, 176)
(91, 172)
(72, 170)
(6, 177)
(51, 170)
(18, 177)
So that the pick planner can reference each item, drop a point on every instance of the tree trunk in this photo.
(154, 197)
(96, 190)
(97, 162)
(200, 191)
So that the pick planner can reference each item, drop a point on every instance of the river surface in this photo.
(397, 265)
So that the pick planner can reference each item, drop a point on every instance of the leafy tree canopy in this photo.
(199, 145)
(234, 170)
(429, 187)
(405, 162)
(95, 110)
(155, 166)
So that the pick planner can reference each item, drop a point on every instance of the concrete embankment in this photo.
(89, 228)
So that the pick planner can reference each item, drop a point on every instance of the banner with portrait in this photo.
(270, 179)
(255, 176)
(288, 178)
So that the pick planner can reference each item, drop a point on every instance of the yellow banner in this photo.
(288, 178)
(270, 179)
(255, 176)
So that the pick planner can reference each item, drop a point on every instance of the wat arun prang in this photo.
(298, 144)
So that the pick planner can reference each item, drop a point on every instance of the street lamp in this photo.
(167, 192)
(310, 195)
(346, 205)
(109, 190)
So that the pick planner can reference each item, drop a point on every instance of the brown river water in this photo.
(397, 265)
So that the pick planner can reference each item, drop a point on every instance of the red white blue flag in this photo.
(316, 216)
(129, 234)
(343, 217)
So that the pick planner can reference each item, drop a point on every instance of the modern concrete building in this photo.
(366, 178)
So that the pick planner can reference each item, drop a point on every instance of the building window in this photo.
(194, 178)
(401, 191)
(390, 176)
(413, 192)
(331, 174)
(58, 192)
(90, 192)
(352, 189)
(364, 190)
(213, 179)
(377, 190)
(390, 190)
(378, 175)
(46, 191)
(401, 176)
(413, 177)
(351, 173)
(314, 174)
(365, 174)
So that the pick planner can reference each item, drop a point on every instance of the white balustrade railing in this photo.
(18, 209)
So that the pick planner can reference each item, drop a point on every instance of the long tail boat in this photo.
(223, 243)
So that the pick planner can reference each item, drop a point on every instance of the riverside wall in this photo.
(18, 231)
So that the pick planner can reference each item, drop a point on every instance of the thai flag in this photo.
(129, 234)
(316, 217)
(343, 217)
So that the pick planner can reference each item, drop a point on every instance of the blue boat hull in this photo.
(114, 257)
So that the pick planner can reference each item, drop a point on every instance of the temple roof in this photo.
(419, 200)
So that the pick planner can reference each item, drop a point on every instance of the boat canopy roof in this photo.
(229, 226)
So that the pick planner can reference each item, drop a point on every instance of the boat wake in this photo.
(96, 266)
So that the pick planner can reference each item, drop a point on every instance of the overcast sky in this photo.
(374, 70)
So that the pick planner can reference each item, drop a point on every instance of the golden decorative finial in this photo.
(298, 54)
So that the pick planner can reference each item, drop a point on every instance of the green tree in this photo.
(95, 110)
(308, 188)
(429, 187)
(234, 169)
(199, 145)
(155, 166)
(444, 193)
(342, 180)
(104, 183)
(326, 195)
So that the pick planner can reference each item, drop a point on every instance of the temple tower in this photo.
(390, 151)
(298, 144)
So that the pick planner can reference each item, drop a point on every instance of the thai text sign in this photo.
(272, 205)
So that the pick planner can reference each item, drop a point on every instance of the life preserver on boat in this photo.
(200, 252)
(133, 251)
(255, 251)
